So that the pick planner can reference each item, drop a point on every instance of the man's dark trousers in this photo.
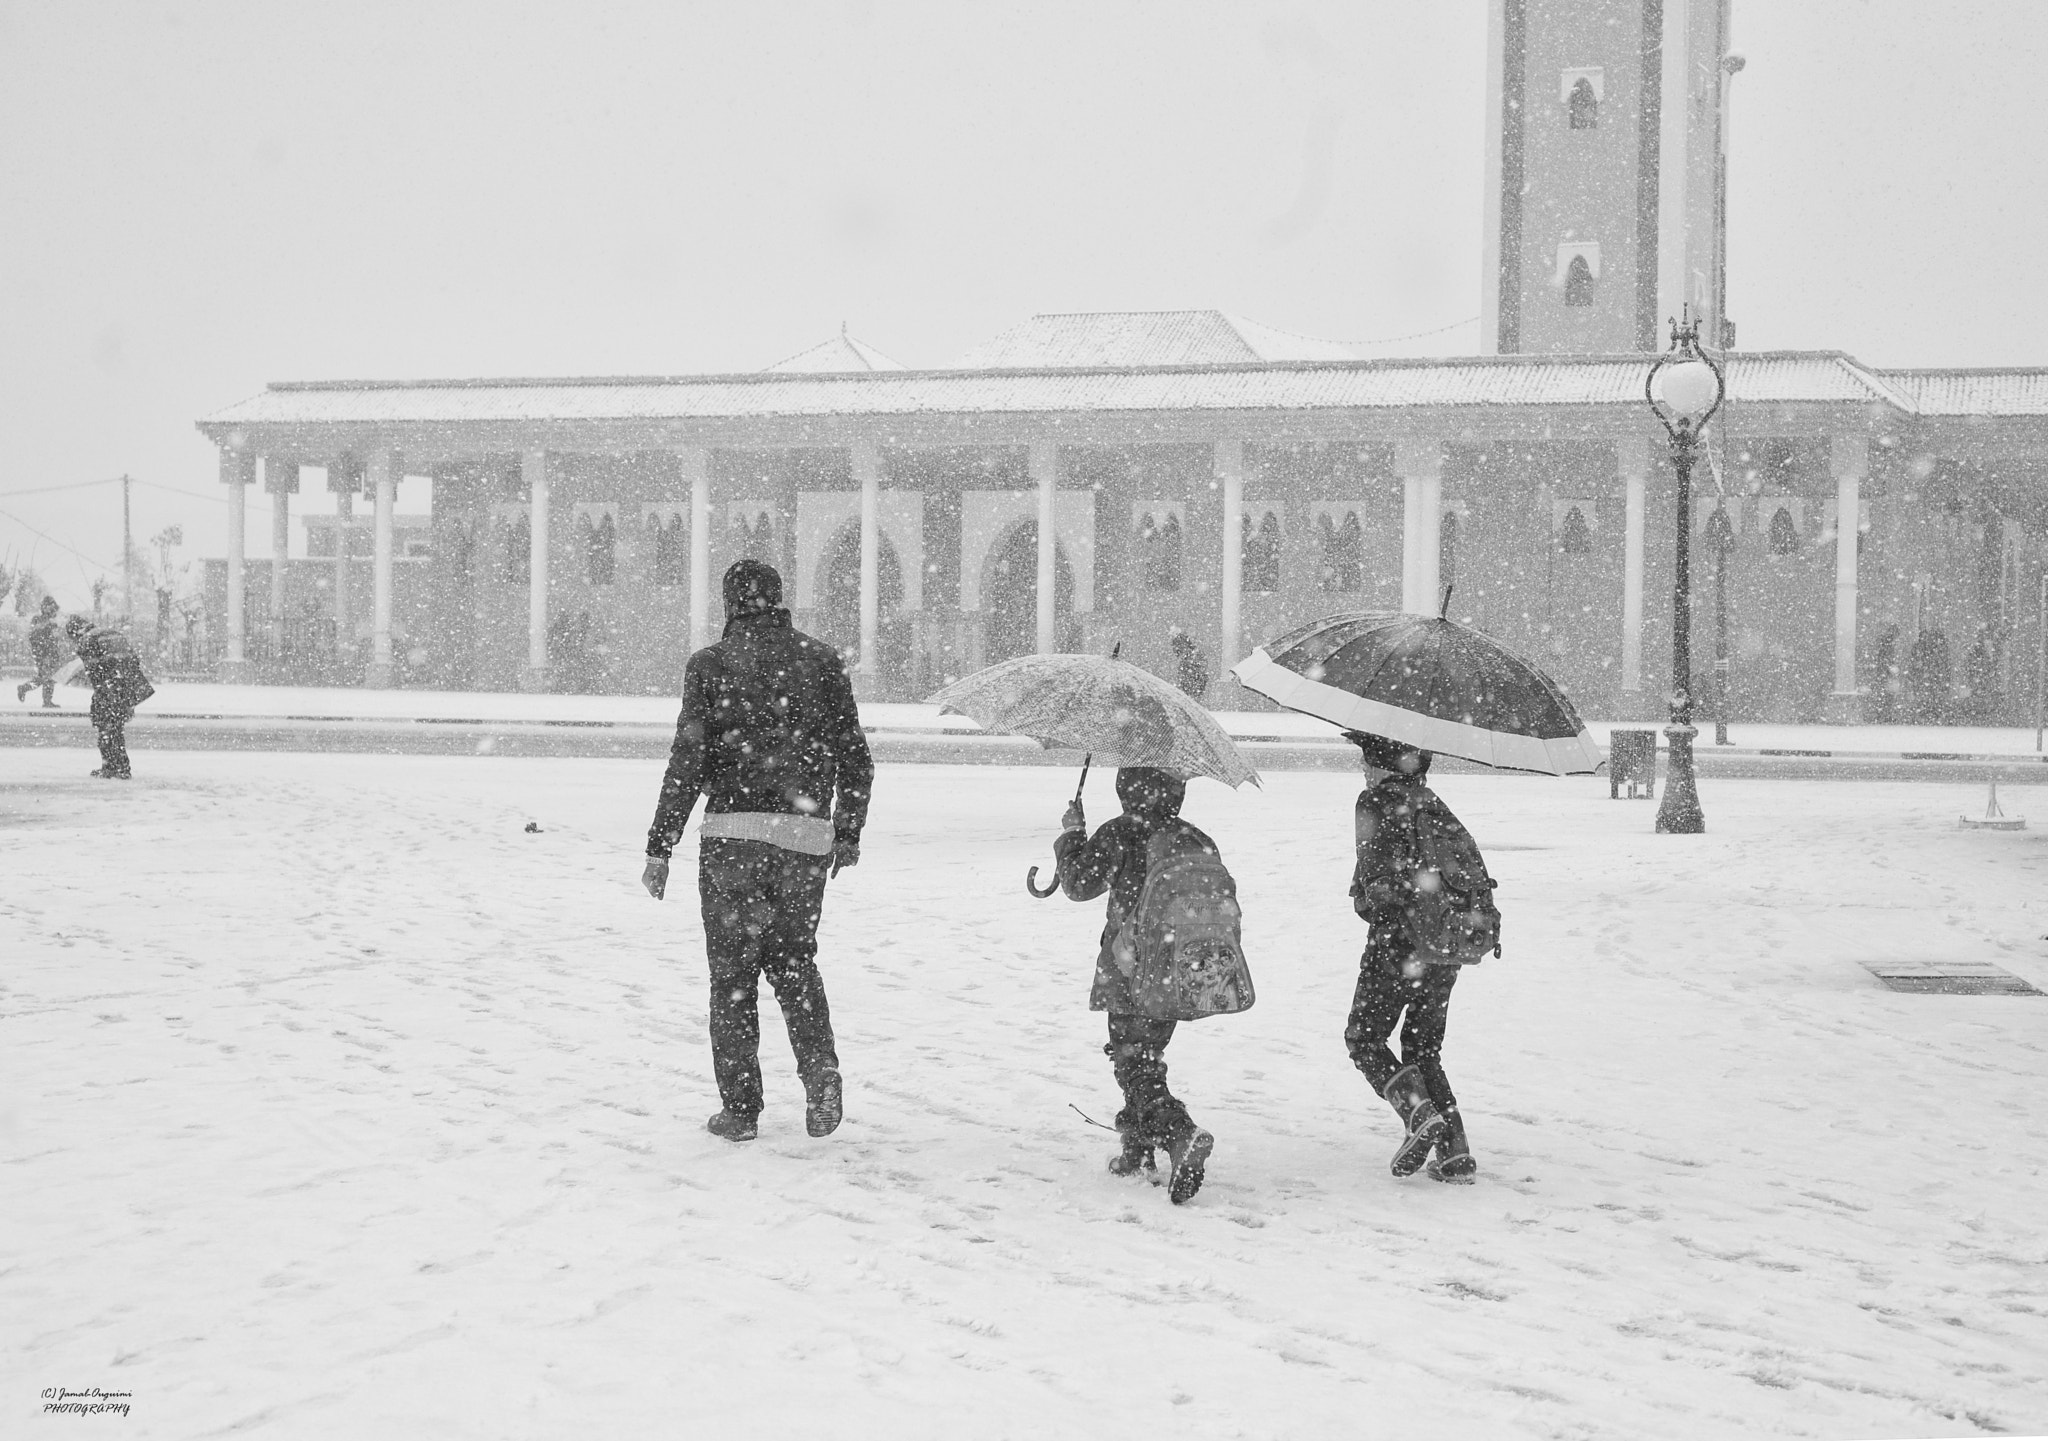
(761, 908)
(1376, 1008)
(111, 725)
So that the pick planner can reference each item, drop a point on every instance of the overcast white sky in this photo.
(198, 198)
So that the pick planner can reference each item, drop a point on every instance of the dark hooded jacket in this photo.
(769, 725)
(1113, 860)
(46, 642)
(115, 670)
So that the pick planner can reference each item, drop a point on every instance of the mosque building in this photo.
(1085, 480)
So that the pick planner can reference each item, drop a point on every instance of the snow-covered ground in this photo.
(339, 1105)
(186, 698)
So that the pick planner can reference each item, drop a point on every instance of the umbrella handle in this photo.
(1030, 879)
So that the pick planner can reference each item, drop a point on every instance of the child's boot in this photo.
(1406, 1094)
(1190, 1148)
(1136, 1155)
(1453, 1157)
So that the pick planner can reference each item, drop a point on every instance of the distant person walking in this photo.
(118, 687)
(47, 648)
(1421, 884)
(769, 735)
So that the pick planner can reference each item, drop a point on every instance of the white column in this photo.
(867, 474)
(1632, 458)
(1421, 468)
(1849, 458)
(1230, 630)
(281, 480)
(344, 618)
(697, 470)
(237, 471)
(384, 478)
(533, 468)
(1044, 463)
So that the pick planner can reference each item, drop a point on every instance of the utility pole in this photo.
(127, 565)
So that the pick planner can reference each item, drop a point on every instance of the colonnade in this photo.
(1417, 464)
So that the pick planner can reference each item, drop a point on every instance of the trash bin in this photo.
(1632, 761)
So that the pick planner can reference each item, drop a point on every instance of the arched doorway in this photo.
(1009, 598)
(838, 618)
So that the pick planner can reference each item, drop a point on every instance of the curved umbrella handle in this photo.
(1030, 879)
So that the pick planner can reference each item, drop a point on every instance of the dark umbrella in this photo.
(1425, 681)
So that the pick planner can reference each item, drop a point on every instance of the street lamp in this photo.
(1684, 390)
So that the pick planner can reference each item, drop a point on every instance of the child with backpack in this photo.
(1422, 885)
(1170, 952)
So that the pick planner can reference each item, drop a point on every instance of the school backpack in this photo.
(1452, 920)
(1182, 948)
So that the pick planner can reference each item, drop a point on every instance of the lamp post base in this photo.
(1679, 813)
(534, 679)
(1843, 708)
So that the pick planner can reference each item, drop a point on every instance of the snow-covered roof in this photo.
(2013, 392)
(1470, 383)
(842, 352)
(1144, 337)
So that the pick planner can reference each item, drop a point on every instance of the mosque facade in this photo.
(1871, 539)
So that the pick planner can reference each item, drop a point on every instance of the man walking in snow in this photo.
(1398, 973)
(118, 686)
(770, 737)
(1115, 859)
(46, 648)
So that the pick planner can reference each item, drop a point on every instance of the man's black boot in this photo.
(1418, 1114)
(824, 1103)
(733, 1126)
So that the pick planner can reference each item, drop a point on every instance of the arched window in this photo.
(1343, 566)
(518, 569)
(1447, 549)
(1159, 544)
(1262, 555)
(1575, 536)
(1578, 282)
(1584, 106)
(1719, 535)
(600, 554)
(1784, 534)
(671, 549)
(757, 536)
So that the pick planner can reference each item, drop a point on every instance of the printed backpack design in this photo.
(1452, 919)
(1183, 949)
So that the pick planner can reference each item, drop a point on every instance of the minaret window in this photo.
(1578, 282)
(1583, 105)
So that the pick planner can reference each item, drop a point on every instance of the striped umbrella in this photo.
(1107, 707)
(1425, 681)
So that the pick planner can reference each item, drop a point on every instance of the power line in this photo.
(74, 485)
(45, 535)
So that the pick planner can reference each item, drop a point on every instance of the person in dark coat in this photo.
(46, 647)
(769, 735)
(1114, 860)
(1391, 980)
(118, 686)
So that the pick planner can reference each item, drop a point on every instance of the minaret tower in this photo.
(1605, 162)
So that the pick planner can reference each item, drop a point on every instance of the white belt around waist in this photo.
(806, 835)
